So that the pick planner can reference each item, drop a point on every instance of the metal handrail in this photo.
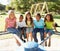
(56, 33)
(3, 32)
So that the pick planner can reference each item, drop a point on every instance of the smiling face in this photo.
(21, 18)
(28, 16)
(11, 15)
(48, 18)
(37, 17)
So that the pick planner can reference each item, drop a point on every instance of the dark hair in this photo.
(51, 18)
(38, 14)
(30, 18)
(21, 16)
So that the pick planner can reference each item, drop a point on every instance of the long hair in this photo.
(30, 18)
(51, 18)
(11, 11)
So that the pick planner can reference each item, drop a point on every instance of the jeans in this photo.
(41, 30)
(22, 32)
(13, 30)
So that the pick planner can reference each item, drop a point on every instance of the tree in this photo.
(2, 7)
(8, 8)
(25, 5)
(22, 5)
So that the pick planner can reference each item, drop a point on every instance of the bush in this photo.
(3, 13)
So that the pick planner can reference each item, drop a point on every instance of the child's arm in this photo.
(32, 25)
(5, 26)
(15, 25)
(44, 26)
(54, 27)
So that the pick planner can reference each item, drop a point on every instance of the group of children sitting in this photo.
(29, 27)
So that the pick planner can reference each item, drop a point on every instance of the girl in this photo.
(21, 27)
(10, 23)
(29, 23)
(49, 24)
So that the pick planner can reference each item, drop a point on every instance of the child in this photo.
(29, 23)
(38, 27)
(49, 24)
(10, 23)
(22, 28)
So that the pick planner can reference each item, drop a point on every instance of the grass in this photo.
(57, 16)
(2, 22)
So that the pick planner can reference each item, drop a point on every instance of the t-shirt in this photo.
(10, 22)
(21, 24)
(49, 25)
(38, 24)
(29, 24)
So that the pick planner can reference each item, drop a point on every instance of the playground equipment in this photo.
(9, 42)
(41, 8)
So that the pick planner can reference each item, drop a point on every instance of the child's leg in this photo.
(31, 29)
(21, 34)
(49, 33)
(41, 33)
(35, 35)
(45, 35)
(27, 33)
(31, 36)
(21, 37)
(49, 43)
(24, 33)
(27, 36)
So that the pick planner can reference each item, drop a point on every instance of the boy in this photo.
(38, 27)
(21, 27)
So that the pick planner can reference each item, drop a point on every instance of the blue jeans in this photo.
(23, 29)
(13, 30)
(41, 30)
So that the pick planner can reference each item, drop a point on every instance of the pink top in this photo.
(10, 22)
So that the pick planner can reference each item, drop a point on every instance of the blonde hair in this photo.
(11, 11)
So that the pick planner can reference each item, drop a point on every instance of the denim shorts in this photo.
(29, 29)
(49, 31)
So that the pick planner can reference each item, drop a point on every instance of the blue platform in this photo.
(31, 46)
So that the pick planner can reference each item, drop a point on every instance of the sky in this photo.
(4, 2)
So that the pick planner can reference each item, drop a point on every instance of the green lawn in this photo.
(57, 16)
